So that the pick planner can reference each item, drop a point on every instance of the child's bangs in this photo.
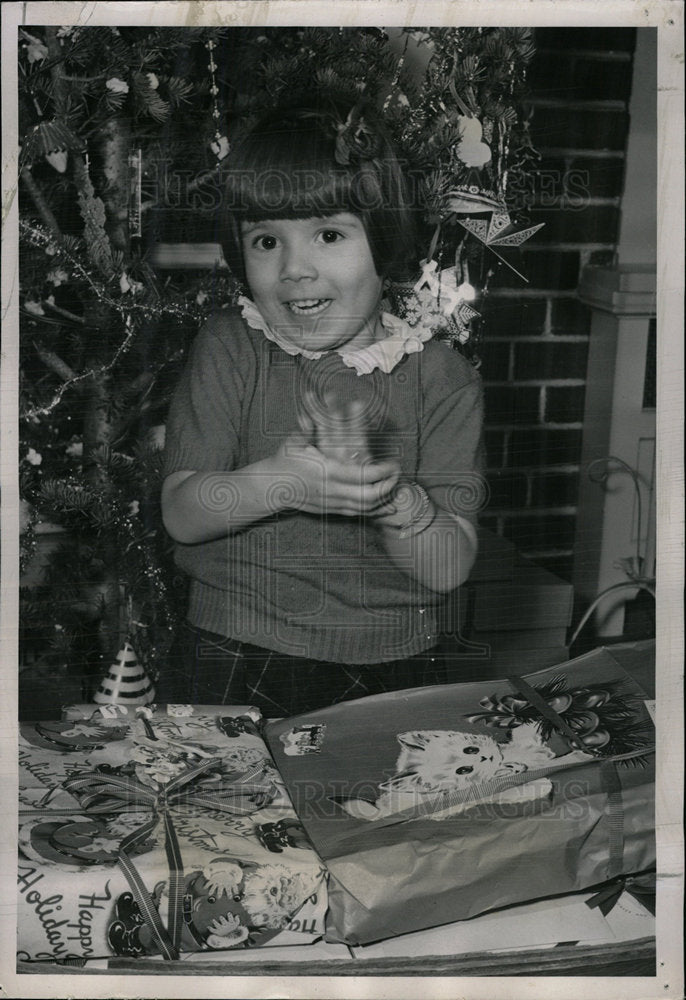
(286, 174)
(280, 194)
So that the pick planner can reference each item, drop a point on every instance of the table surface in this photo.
(622, 958)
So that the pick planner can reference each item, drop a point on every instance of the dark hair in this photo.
(298, 163)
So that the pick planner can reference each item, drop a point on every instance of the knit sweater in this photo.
(316, 586)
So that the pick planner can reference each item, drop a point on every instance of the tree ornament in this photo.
(220, 144)
(449, 299)
(471, 149)
(499, 231)
(429, 277)
(220, 147)
(471, 199)
(33, 307)
(136, 192)
(448, 292)
(462, 316)
(36, 50)
(58, 160)
(57, 277)
(117, 86)
(127, 682)
(51, 140)
(355, 141)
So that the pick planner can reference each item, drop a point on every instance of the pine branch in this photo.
(56, 68)
(115, 154)
(39, 200)
(66, 313)
(97, 424)
(57, 365)
(94, 373)
(141, 383)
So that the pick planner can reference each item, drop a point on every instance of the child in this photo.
(317, 447)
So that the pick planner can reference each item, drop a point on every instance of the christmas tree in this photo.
(102, 335)
(124, 136)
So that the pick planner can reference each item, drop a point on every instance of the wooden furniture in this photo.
(510, 617)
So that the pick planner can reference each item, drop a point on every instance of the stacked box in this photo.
(178, 827)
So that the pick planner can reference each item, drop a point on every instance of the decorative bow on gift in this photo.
(574, 706)
(596, 719)
(105, 793)
(641, 887)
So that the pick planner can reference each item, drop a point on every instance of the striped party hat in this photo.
(127, 683)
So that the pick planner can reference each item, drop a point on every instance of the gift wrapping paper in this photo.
(177, 827)
(438, 804)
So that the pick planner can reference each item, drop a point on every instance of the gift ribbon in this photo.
(612, 786)
(641, 887)
(609, 779)
(532, 695)
(120, 789)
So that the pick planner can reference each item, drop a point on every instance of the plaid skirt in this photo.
(208, 669)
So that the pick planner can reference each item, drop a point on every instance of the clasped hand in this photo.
(330, 461)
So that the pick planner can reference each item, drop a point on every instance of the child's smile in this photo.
(314, 280)
(308, 307)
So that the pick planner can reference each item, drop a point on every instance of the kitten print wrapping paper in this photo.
(158, 833)
(438, 804)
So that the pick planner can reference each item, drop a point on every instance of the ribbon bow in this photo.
(641, 887)
(103, 793)
(355, 140)
(429, 277)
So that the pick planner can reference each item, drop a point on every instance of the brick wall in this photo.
(536, 335)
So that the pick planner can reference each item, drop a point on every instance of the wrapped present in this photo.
(438, 804)
(179, 828)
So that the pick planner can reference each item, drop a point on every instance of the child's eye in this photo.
(330, 236)
(265, 242)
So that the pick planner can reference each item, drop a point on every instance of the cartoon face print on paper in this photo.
(441, 761)
(80, 842)
(275, 837)
(302, 740)
(225, 905)
(71, 737)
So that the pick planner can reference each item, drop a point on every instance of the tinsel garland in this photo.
(132, 313)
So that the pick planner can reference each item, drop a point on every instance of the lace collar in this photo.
(384, 354)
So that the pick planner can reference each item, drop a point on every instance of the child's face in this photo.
(315, 280)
